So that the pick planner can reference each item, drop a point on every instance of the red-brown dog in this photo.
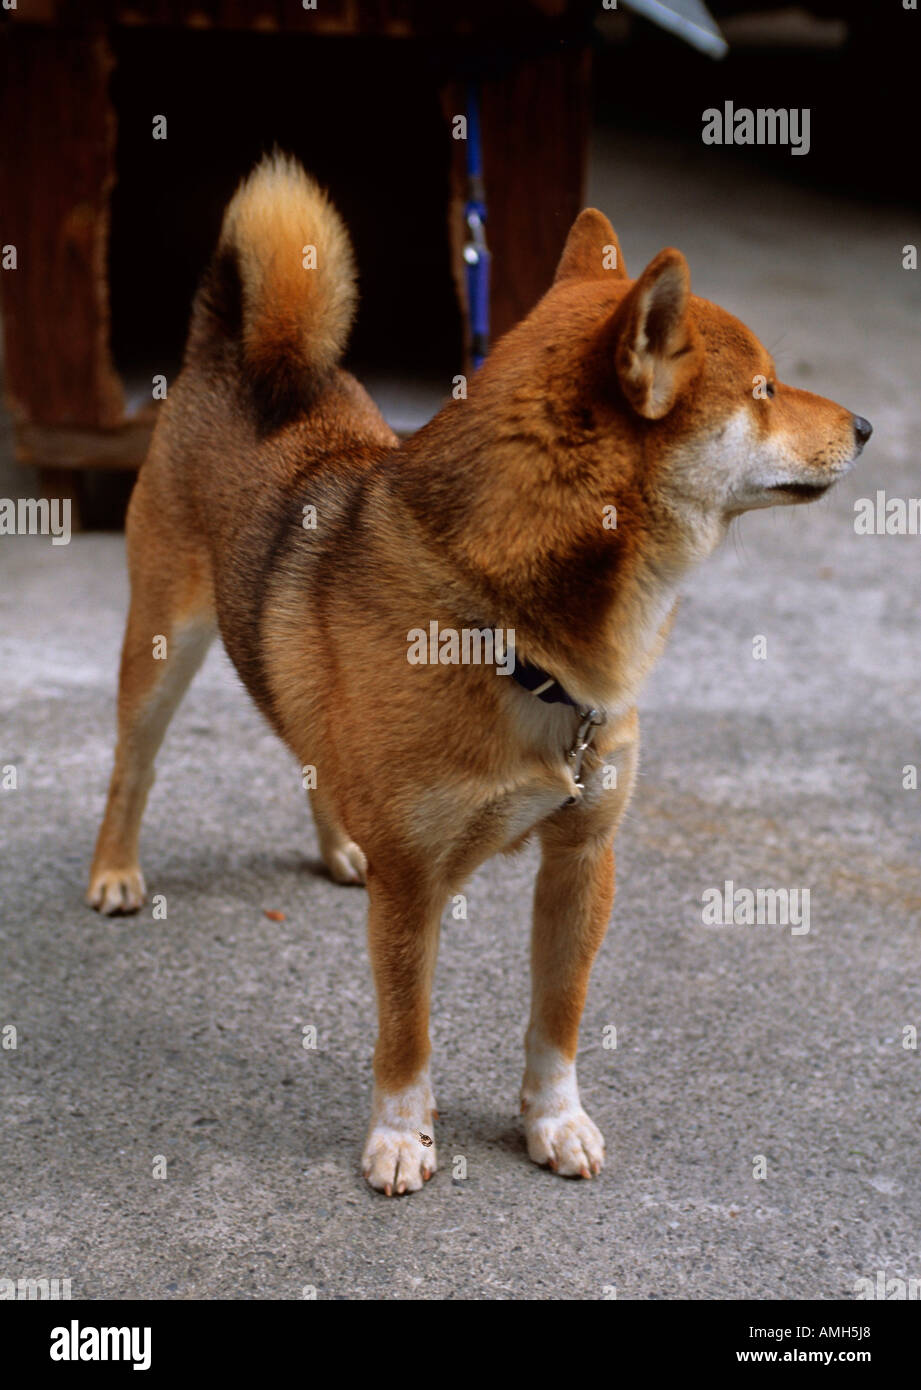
(603, 449)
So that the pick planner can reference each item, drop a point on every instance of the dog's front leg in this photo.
(572, 904)
(403, 922)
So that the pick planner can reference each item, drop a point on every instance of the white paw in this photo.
(559, 1133)
(570, 1144)
(115, 891)
(399, 1155)
(346, 862)
(398, 1160)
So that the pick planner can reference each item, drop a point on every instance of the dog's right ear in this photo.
(592, 251)
(658, 351)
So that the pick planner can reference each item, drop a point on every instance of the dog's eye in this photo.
(771, 388)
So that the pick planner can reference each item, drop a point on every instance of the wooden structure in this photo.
(111, 228)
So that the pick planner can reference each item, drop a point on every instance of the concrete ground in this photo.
(182, 1037)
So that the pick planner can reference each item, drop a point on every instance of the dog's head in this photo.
(693, 388)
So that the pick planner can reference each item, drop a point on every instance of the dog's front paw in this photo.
(559, 1133)
(116, 891)
(399, 1155)
(398, 1160)
(569, 1142)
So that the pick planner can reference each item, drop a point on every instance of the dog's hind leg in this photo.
(170, 627)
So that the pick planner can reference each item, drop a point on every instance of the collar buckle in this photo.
(589, 720)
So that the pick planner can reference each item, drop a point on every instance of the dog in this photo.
(601, 451)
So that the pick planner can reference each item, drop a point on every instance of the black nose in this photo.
(863, 429)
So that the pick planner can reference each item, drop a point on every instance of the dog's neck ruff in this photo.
(540, 684)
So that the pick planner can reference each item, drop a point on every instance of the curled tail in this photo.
(281, 287)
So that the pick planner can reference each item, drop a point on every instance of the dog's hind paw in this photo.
(115, 892)
(346, 863)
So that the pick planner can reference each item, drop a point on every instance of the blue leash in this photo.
(476, 252)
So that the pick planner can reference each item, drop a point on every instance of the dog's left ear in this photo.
(592, 251)
(657, 351)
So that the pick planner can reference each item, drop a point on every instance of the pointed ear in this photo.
(657, 350)
(592, 251)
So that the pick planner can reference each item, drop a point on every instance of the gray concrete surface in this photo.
(182, 1037)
